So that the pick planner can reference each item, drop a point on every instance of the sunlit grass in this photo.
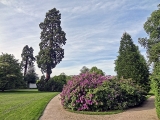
(23, 104)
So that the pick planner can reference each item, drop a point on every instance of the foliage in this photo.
(54, 84)
(52, 40)
(152, 44)
(24, 104)
(27, 58)
(10, 72)
(152, 28)
(157, 94)
(96, 71)
(92, 70)
(131, 64)
(93, 92)
(84, 70)
(69, 77)
(156, 84)
(31, 75)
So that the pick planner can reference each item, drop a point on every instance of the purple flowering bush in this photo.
(93, 92)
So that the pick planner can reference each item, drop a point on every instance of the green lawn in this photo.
(23, 104)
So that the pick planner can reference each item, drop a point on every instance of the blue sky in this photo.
(93, 29)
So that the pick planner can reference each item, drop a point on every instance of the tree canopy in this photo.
(52, 40)
(96, 70)
(152, 44)
(84, 69)
(27, 58)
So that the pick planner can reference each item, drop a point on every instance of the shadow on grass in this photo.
(21, 91)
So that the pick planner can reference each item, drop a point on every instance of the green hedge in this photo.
(157, 94)
(155, 85)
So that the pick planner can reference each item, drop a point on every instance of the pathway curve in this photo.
(55, 111)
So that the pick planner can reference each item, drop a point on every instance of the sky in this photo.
(93, 29)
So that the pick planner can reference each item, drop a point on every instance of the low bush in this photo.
(54, 84)
(92, 92)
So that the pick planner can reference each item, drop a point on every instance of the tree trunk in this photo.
(25, 68)
(47, 76)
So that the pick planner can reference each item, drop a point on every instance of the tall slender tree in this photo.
(130, 63)
(52, 40)
(27, 58)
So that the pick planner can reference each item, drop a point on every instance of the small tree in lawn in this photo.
(52, 40)
(27, 58)
(131, 64)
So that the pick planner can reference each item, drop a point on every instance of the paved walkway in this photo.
(55, 111)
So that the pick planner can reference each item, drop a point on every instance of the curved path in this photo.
(55, 111)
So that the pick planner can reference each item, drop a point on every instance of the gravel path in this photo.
(55, 111)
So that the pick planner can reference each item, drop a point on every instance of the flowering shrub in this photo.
(93, 92)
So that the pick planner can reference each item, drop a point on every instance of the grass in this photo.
(23, 104)
(96, 113)
(151, 93)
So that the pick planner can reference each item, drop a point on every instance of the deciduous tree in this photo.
(84, 69)
(96, 70)
(10, 71)
(152, 43)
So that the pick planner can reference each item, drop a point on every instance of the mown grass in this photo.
(23, 104)
(97, 113)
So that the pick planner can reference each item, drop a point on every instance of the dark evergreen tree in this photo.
(31, 75)
(131, 64)
(52, 40)
(27, 58)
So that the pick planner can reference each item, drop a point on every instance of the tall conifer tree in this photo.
(131, 64)
(52, 40)
(27, 58)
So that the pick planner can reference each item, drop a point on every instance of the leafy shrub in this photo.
(54, 84)
(92, 92)
(156, 80)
